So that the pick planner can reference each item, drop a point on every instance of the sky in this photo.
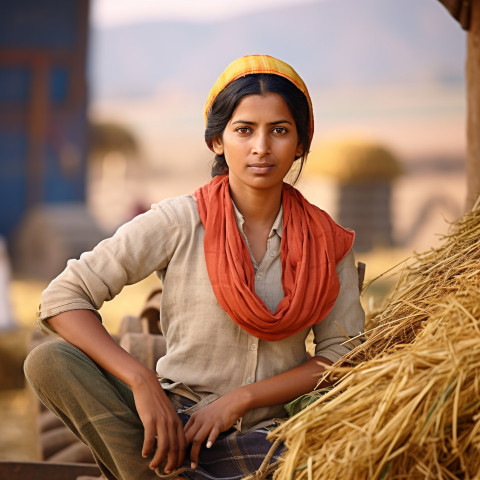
(106, 13)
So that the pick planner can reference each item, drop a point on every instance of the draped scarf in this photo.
(312, 245)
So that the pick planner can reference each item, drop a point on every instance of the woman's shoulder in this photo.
(180, 209)
(170, 215)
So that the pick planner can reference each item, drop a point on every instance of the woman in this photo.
(248, 267)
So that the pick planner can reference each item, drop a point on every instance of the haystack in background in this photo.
(406, 404)
(363, 172)
(354, 160)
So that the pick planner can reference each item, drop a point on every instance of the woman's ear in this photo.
(299, 151)
(217, 145)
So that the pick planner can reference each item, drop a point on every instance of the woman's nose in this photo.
(261, 145)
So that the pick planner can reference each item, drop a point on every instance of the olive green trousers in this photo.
(96, 406)
(100, 411)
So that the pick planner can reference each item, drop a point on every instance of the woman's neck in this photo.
(259, 213)
(258, 208)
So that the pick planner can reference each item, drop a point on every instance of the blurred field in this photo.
(26, 293)
(17, 407)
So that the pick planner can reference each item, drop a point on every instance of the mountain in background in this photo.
(330, 43)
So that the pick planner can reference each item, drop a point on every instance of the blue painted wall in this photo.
(50, 35)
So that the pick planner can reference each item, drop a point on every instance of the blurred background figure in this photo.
(6, 315)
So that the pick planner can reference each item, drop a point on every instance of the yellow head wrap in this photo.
(251, 64)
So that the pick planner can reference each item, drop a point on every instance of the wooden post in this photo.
(37, 128)
(473, 107)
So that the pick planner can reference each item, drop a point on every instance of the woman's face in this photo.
(260, 143)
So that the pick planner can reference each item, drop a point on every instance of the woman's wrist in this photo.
(140, 376)
(243, 396)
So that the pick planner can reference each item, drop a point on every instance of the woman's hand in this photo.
(206, 424)
(161, 424)
(160, 421)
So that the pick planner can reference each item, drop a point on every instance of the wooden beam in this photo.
(37, 130)
(473, 106)
(460, 10)
(78, 82)
(22, 56)
(45, 470)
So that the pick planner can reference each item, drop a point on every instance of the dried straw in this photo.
(353, 160)
(429, 278)
(407, 402)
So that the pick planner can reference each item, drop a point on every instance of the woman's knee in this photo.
(48, 361)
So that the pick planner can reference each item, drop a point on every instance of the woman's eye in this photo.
(279, 130)
(243, 130)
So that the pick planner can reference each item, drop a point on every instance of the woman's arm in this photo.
(153, 406)
(210, 421)
(141, 246)
(346, 316)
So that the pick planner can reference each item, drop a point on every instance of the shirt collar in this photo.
(277, 226)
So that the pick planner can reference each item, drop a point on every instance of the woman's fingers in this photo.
(182, 445)
(213, 436)
(171, 445)
(197, 441)
(191, 431)
(148, 440)
(209, 434)
(173, 448)
(160, 451)
(162, 426)
(191, 428)
(207, 423)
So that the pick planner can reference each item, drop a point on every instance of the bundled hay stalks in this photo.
(429, 278)
(354, 160)
(407, 403)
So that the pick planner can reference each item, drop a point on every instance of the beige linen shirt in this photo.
(207, 353)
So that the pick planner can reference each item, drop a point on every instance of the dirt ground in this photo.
(17, 403)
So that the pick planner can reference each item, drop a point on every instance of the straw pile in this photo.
(353, 160)
(407, 402)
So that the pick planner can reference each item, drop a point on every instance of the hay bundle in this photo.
(353, 160)
(422, 287)
(407, 402)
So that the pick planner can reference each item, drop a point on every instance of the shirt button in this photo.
(272, 253)
(259, 277)
(250, 380)
(253, 346)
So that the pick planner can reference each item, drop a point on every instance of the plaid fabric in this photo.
(251, 64)
(233, 456)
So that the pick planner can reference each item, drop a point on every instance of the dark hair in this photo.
(257, 84)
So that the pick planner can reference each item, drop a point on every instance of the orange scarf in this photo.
(312, 245)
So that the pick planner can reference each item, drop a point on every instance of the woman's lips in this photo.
(260, 167)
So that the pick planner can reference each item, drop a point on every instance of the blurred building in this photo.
(363, 172)
(43, 100)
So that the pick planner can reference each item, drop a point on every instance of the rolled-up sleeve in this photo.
(137, 249)
(346, 319)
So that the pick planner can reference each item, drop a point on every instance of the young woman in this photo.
(248, 267)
